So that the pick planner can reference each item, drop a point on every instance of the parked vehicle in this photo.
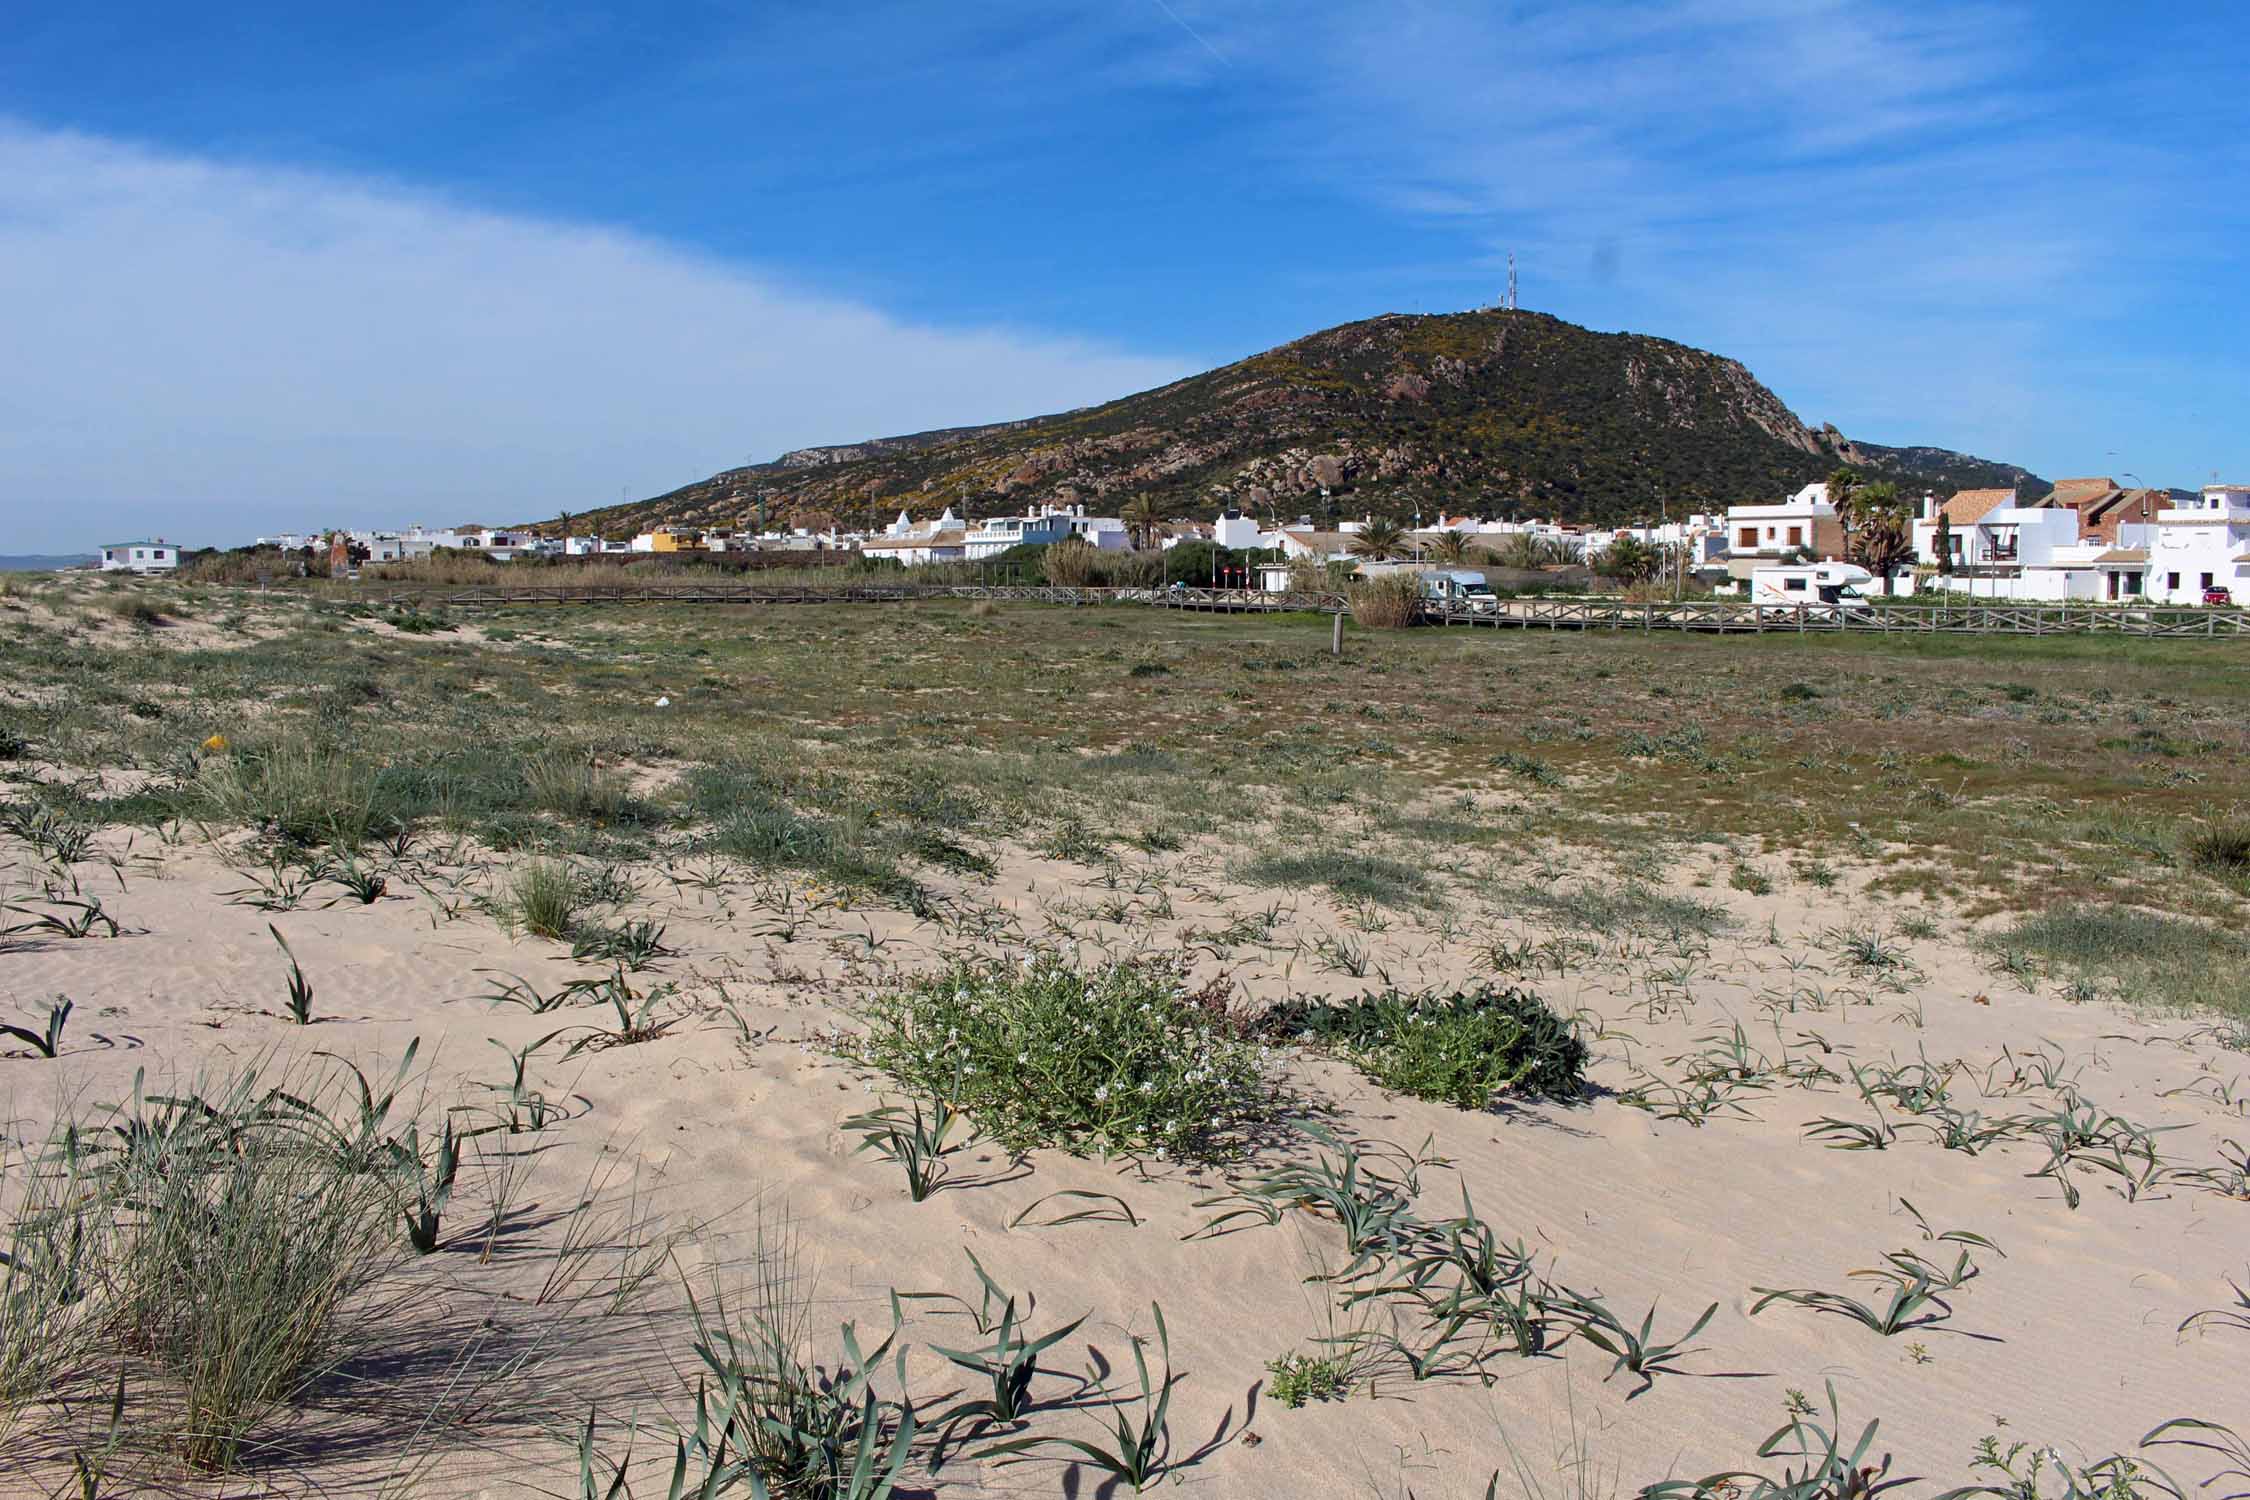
(1460, 589)
(2218, 594)
(1819, 590)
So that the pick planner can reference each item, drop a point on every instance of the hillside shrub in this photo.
(1119, 1058)
(1465, 1049)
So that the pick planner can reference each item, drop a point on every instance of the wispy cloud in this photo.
(1910, 217)
(236, 347)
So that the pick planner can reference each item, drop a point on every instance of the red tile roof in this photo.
(1969, 506)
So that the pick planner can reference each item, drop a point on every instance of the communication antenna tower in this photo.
(1511, 303)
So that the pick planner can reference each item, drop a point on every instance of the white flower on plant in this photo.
(1101, 1094)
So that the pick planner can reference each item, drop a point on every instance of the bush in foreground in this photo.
(1386, 602)
(1044, 1053)
(1464, 1049)
(2222, 849)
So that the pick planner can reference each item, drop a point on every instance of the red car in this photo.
(2218, 594)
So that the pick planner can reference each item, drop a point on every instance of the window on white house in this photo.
(2171, 580)
(2207, 580)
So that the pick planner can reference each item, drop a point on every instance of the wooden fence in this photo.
(1701, 616)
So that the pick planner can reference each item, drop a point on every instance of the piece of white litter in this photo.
(663, 703)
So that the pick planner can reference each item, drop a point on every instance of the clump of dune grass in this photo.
(2221, 849)
(1387, 602)
(221, 1240)
(1118, 1058)
(292, 786)
(136, 611)
(47, 1333)
(1349, 874)
(543, 898)
(234, 1273)
(558, 781)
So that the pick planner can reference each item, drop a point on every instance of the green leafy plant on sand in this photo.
(300, 988)
(1465, 1049)
(1631, 1348)
(1917, 1284)
(1044, 1053)
(919, 1143)
(1299, 1378)
(1139, 1452)
(792, 1424)
(85, 919)
(1009, 1363)
(47, 1041)
(1367, 1189)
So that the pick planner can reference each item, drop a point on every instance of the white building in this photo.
(1764, 534)
(2201, 544)
(157, 556)
(915, 551)
(2038, 553)
(2033, 553)
(1302, 541)
(1236, 531)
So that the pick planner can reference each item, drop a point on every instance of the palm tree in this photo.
(1140, 518)
(1878, 529)
(1628, 560)
(1449, 548)
(1378, 541)
(1841, 482)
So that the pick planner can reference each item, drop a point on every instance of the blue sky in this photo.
(288, 265)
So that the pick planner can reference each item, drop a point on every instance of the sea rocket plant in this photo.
(1043, 1053)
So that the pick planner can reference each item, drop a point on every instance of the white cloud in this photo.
(214, 349)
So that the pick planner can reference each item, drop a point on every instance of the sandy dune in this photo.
(2069, 1339)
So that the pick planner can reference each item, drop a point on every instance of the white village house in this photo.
(2041, 552)
(2202, 544)
(157, 556)
(1759, 535)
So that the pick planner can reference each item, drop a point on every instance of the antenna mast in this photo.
(1511, 303)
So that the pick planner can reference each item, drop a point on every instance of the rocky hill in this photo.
(1497, 413)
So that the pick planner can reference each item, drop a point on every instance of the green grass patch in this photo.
(1348, 874)
(2149, 958)
(1623, 906)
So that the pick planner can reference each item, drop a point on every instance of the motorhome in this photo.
(1459, 589)
(1819, 589)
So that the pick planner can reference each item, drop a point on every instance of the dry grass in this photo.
(1387, 602)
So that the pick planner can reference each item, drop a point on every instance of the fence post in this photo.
(1336, 635)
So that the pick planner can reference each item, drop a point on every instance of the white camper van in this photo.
(1819, 589)
(1459, 589)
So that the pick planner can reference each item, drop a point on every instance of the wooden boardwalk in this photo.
(1905, 617)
